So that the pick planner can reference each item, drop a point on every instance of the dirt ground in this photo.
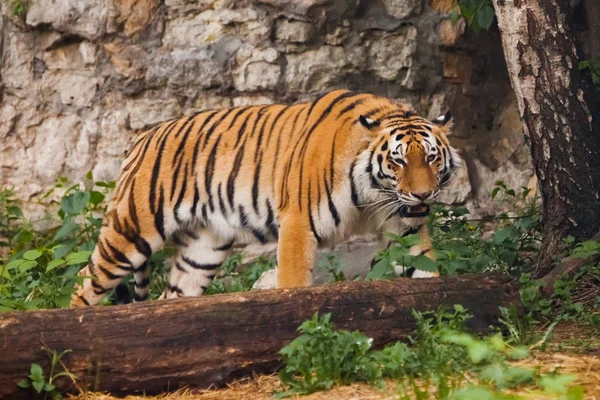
(572, 350)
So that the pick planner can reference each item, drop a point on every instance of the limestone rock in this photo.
(69, 89)
(187, 72)
(147, 112)
(70, 56)
(136, 14)
(450, 32)
(206, 27)
(259, 70)
(255, 100)
(128, 61)
(294, 31)
(392, 56)
(401, 9)
(316, 70)
(300, 7)
(86, 18)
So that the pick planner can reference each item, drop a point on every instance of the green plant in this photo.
(399, 254)
(460, 243)
(42, 263)
(40, 383)
(17, 8)
(438, 359)
(593, 67)
(235, 277)
(479, 14)
(334, 265)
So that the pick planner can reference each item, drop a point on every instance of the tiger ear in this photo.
(367, 122)
(443, 120)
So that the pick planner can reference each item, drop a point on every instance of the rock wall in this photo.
(79, 78)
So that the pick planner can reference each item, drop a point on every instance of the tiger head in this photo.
(410, 159)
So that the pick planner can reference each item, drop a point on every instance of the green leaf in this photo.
(501, 235)
(74, 203)
(14, 211)
(378, 270)
(455, 15)
(24, 383)
(556, 383)
(474, 393)
(89, 176)
(478, 351)
(32, 255)
(27, 265)
(485, 17)
(96, 197)
(63, 249)
(575, 393)
(38, 386)
(14, 264)
(54, 264)
(78, 258)
(423, 263)
(36, 370)
(107, 185)
(66, 228)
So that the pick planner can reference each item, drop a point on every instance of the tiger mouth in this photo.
(421, 210)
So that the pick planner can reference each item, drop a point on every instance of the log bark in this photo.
(213, 340)
(561, 117)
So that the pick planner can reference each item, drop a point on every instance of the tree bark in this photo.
(561, 117)
(212, 340)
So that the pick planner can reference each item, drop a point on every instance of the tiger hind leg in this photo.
(116, 255)
(199, 256)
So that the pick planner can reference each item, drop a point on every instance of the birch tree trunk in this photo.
(561, 117)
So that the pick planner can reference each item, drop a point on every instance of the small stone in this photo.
(314, 70)
(394, 53)
(293, 31)
(260, 71)
(449, 32)
(242, 101)
(147, 112)
(135, 13)
(68, 88)
(401, 9)
(443, 5)
(86, 18)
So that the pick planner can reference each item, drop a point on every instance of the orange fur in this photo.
(302, 174)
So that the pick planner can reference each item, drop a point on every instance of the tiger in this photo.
(304, 175)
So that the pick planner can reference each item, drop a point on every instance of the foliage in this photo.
(235, 277)
(42, 264)
(460, 244)
(17, 8)
(479, 14)
(38, 382)
(441, 355)
(593, 67)
(334, 266)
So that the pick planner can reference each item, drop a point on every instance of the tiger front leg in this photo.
(399, 227)
(296, 252)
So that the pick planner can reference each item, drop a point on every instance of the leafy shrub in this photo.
(42, 264)
(460, 243)
(440, 357)
(479, 14)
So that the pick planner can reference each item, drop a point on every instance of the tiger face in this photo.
(411, 159)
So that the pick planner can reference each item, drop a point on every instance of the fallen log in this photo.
(213, 340)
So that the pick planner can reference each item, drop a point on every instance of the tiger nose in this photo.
(423, 195)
